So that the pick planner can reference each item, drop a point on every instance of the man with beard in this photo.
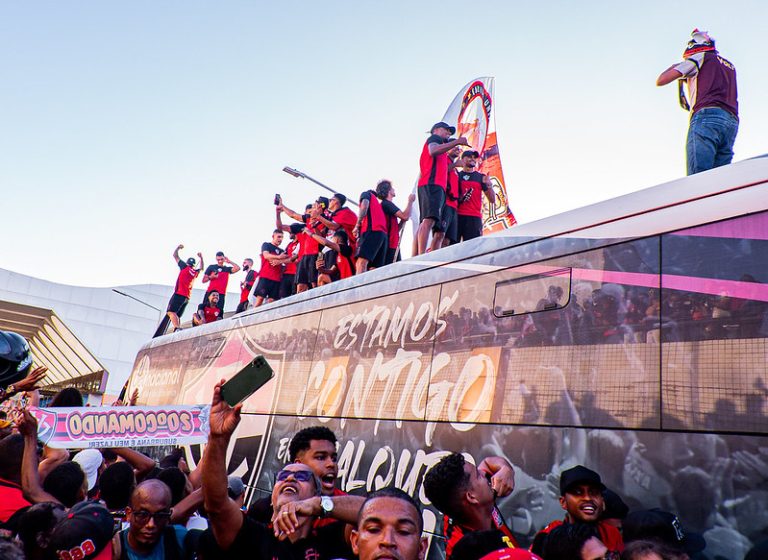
(306, 271)
(218, 276)
(296, 500)
(340, 217)
(472, 184)
(246, 285)
(581, 496)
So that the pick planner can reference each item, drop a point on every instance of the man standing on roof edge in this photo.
(714, 105)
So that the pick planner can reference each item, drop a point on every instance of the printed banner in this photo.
(473, 112)
(121, 426)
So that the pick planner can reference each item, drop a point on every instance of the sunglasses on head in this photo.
(300, 476)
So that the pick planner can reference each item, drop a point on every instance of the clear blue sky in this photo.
(128, 127)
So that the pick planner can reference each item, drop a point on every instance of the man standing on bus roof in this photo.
(340, 217)
(472, 184)
(217, 277)
(395, 217)
(271, 272)
(306, 271)
(246, 285)
(450, 225)
(714, 105)
(181, 293)
(433, 180)
(371, 231)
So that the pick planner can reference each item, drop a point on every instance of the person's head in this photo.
(116, 485)
(389, 525)
(220, 258)
(175, 459)
(664, 527)
(277, 237)
(321, 204)
(213, 298)
(581, 494)
(469, 158)
(36, 525)
(85, 532)
(248, 264)
(316, 447)
(11, 451)
(236, 489)
(67, 483)
(177, 483)
(456, 487)
(66, 397)
(337, 201)
(443, 130)
(615, 509)
(571, 541)
(191, 261)
(149, 513)
(293, 483)
(385, 190)
(340, 237)
(91, 461)
(650, 550)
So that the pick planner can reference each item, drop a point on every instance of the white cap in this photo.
(89, 460)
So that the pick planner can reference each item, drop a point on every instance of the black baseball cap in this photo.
(663, 526)
(191, 261)
(446, 126)
(579, 475)
(85, 532)
(322, 201)
(470, 153)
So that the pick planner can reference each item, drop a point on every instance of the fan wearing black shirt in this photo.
(295, 498)
(395, 218)
(336, 263)
(246, 285)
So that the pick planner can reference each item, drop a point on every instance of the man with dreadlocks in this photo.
(713, 102)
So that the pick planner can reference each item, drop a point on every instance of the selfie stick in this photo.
(299, 174)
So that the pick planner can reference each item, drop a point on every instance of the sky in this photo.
(127, 128)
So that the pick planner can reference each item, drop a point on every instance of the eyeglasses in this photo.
(300, 476)
(142, 516)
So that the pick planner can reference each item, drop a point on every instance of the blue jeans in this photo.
(710, 139)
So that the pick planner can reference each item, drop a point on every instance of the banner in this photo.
(473, 112)
(121, 426)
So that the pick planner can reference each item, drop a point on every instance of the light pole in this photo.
(296, 173)
(142, 302)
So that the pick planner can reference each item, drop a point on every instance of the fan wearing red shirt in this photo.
(218, 276)
(288, 282)
(340, 217)
(450, 225)
(306, 271)
(472, 184)
(433, 180)
(336, 264)
(371, 232)
(246, 285)
(395, 218)
(271, 271)
(181, 292)
(209, 311)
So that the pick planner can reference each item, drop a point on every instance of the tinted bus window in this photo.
(538, 292)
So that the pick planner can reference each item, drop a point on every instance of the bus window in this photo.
(546, 291)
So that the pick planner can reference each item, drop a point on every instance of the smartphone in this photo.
(277, 200)
(247, 381)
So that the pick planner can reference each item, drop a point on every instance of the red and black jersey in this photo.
(471, 187)
(311, 246)
(11, 499)
(210, 314)
(218, 284)
(454, 532)
(452, 192)
(374, 219)
(267, 270)
(347, 219)
(609, 535)
(344, 262)
(187, 275)
(291, 249)
(393, 227)
(434, 169)
(245, 289)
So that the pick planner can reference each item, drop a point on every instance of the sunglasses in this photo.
(299, 476)
(142, 516)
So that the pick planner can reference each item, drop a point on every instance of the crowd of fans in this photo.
(329, 241)
(120, 503)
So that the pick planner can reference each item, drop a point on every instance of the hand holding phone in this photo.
(247, 381)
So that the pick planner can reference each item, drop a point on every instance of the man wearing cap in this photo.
(218, 276)
(433, 180)
(713, 102)
(581, 496)
(664, 527)
(472, 186)
(181, 293)
(91, 461)
(84, 533)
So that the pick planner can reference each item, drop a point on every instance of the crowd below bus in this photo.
(329, 241)
(120, 503)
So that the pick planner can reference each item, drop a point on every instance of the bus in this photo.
(629, 336)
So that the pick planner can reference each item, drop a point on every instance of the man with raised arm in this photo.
(218, 276)
(340, 217)
(433, 180)
(181, 293)
(472, 186)
(466, 496)
(306, 271)
(395, 218)
(296, 500)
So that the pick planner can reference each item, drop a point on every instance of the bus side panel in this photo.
(714, 326)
